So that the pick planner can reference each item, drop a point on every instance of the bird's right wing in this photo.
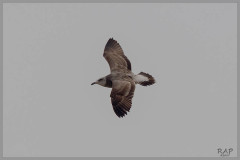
(115, 57)
(121, 96)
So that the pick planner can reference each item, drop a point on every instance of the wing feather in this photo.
(115, 57)
(121, 96)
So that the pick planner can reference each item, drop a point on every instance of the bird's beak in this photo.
(93, 83)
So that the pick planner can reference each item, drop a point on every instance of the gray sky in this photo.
(53, 52)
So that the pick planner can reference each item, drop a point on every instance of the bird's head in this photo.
(100, 81)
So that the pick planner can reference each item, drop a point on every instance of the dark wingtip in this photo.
(121, 108)
(119, 111)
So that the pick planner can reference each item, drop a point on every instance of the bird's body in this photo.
(121, 79)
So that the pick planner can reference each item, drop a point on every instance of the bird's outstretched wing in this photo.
(121, 96)
(115, 57)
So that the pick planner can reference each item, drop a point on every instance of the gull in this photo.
(121, 79)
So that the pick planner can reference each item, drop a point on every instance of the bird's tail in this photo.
(144, 79)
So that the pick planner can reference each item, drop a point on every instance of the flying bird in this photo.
(121, 79)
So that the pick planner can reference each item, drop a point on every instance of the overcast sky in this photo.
(53, 52)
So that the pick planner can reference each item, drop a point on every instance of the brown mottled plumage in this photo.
(115, 57)
(121, 80)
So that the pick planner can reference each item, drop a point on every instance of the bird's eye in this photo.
(100, 79)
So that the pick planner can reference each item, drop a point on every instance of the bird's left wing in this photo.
(115, 57)
(121, 96)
